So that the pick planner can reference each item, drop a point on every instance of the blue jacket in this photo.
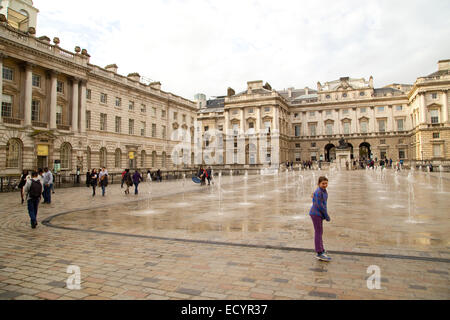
(319, 207)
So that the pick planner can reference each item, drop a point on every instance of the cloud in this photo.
(207, 46)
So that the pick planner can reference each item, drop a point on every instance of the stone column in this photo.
(355, 126)
(423, 114)
(320, 127)
(258, 120)
(373, 121)
(339, 125)
(53, 82)
(75, 84)
(391, 126)
(83, 106)
(226, 121)
(276, 119)
(28, 94)
(242, 125)
(445, 106)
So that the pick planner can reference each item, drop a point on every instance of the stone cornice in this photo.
(38, 53)
(166, 100)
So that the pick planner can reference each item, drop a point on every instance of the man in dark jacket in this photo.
(137, 178)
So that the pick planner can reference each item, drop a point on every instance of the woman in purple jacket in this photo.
(319, 213)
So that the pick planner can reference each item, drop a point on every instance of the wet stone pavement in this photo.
(241, 238)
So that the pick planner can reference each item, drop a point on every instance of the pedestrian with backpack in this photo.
(33, 189)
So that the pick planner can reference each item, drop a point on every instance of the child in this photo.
(318, 213)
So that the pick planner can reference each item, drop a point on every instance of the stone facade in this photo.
(58, 108)
(377, 122)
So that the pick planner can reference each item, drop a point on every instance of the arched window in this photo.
(154, 159)
(14, 154)
(164, 160)
(66, 155)
(118, 158)
(143, 156)
(103, 157)
(88, 158)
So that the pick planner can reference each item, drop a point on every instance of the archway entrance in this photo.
(364, 151)
(330, 152)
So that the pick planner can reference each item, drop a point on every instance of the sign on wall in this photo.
(131, 155)
(42, 150)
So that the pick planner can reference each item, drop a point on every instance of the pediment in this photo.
(364, 118)
(9, 87)
(434, 105)
(346, 119)
(43, 135)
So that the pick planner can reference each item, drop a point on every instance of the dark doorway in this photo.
(364, 151)
(330, 152)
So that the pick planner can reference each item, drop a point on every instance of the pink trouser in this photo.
(318, 232)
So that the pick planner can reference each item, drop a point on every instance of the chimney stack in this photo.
(444, 65)
(290, 92)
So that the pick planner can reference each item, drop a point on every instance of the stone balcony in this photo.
(44, 47)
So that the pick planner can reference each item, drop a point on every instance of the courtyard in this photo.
(243, 237)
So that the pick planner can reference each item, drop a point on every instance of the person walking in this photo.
(33, 189)
(123, 179)
(88, 179)
(149, 176)
(48, 181)
(159, 176)
(78, 175)
(93, 180)
(52, 185)
(208, 175)
(318, 213)
(137, 178)
(128, 180)
(103, 176)
(23, 181)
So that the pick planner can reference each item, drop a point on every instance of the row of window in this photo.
(346, 127)
(347, 111)
(131, 125)
(14, 156)
(345, 95)
(8, 74)
(251, 110)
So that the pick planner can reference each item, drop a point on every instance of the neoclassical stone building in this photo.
(61, 111)
(398, 121)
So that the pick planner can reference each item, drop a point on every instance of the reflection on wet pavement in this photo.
(375, 212)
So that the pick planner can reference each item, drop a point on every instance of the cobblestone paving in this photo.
(141, 247)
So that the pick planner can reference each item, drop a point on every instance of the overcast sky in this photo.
(207, 46)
